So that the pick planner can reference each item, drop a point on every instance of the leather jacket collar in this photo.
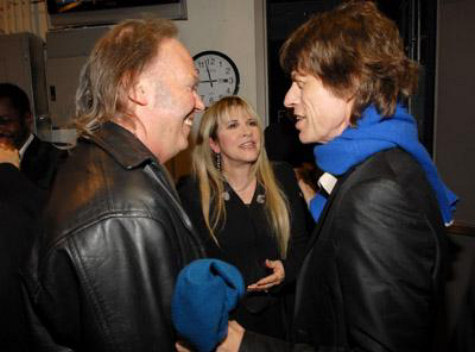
(122, 145)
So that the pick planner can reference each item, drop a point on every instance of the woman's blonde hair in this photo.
(211, 180)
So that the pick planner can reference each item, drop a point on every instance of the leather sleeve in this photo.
(45, 308)
(385, 259)
(118, 276)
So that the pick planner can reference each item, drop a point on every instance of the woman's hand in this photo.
(272, 280)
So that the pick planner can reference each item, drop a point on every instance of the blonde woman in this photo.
(248, 211)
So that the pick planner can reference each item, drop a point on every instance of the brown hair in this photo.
(112, 69)
(357, 52)
(211, 180)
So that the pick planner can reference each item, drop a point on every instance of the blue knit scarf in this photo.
(373, 134)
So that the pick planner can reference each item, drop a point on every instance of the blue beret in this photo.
(205, 292)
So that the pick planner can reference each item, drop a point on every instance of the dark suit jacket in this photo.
(20, 202)
(40, 161)
(373, 274)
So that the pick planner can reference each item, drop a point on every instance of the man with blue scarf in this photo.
(373, 274)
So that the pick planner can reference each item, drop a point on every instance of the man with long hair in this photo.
(372, 278)
(115, 235)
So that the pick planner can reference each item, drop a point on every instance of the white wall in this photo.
(230, 26)
(236, 28)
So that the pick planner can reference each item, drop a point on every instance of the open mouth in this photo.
(248, 145)
(298, 121)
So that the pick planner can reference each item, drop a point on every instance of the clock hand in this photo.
(211, 81)
(209, 75)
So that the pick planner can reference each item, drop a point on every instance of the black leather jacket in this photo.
(115, 237)
(373, 275)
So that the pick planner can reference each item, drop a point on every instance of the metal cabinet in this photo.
(68, 50)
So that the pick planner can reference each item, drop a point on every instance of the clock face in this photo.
(219, 76)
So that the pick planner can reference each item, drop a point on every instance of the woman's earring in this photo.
(218, 161)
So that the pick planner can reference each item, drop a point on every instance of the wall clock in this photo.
(219, 76)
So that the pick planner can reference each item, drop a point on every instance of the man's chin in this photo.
(186, 134)
(303, 138)
(183, 143)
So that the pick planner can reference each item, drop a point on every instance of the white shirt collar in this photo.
(327, 182)
(25, 145)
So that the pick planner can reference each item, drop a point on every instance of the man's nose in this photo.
(199, 105)
(291, 96)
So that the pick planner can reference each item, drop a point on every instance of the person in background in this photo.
(282, 144)
(249, 211)
(20, 207)
(373, 276)
(115, 235)
(39, 159)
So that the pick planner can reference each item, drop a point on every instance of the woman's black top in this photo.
(246, 239)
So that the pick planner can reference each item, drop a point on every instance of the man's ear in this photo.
(214, 146)
(137, 94)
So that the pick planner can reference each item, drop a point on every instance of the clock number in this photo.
(210, 61)
(219, 76)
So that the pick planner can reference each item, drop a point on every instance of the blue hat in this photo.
(205, 292)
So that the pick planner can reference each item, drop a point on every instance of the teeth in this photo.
(189, 121)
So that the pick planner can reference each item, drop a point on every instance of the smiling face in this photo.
(166, 94)
(238, 139)
(320, 114)
(14, 128)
